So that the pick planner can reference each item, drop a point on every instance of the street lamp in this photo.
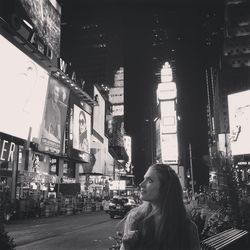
(191, 169)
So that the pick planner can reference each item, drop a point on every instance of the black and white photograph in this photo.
(125, 124)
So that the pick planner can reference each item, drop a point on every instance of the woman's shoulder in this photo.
(192, 233)
(134, 217)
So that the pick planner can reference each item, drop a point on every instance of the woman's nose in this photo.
(141, 184)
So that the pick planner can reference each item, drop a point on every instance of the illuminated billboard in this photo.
(99, 113)
(81, 129)
(169, 148)
(117, 110)
(116, 95)
(239, 121)
(166, 73)
(166, 91)
(168, 117)
(117, 185)
(157, 139)
(23, 93)
(128, 148)
(53, 125)
(119, 78)
(79, 134)
(46, 21)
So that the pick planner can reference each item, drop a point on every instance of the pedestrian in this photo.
(161, 221)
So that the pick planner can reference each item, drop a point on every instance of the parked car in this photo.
(120, 205)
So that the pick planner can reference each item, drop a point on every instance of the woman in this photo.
(83, 140)
(161, 221)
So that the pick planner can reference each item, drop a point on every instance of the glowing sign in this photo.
(168, 117)
(99, 113)
(23, 92)
(239, 121)
(166, 73)
(166, 91)
(116, 95)
(169, 148)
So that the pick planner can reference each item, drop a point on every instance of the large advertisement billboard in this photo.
(116, 95)
(54, 117)
(239, 121)
(157, 139)
(118, 110)
(46, 20)
(81, 129)
(99, 113)
(166, 91)
(168, 117)
(169, 148)
(23, 93)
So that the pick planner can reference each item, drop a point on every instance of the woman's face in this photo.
(82, 123)
(150, 186)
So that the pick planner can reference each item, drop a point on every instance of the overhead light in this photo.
(28, 24)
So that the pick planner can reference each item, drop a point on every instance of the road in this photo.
(83, 231)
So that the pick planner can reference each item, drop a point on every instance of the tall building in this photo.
(236, 56)
(163, 50)
(225, 78)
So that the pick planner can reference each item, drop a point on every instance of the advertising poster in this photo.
(99, 113)
(239, 121)
(46, 21)
(54, 117)
(169, 148)
(81, 129)
(23, 93)
(157, 139)
(116, 95)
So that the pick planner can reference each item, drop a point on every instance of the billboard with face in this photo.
(81, 129)
(79, 137)
(239, 121)
(23, 93)
(54, 117)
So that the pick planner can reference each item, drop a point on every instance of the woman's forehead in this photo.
(151, 172)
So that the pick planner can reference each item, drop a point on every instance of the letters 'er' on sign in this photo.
(7, 150)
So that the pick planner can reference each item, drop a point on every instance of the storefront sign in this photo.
(7, 149)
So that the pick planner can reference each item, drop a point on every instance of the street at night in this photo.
(83, 232)
(130, 108)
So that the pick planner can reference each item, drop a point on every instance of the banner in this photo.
(54, 117)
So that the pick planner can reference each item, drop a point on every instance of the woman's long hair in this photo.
(169, 232)
(171, 228)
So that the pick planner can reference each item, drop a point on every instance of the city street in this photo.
(83, 231)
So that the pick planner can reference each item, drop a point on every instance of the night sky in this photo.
(133, 21)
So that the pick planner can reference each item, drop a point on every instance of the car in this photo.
(121, 205)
